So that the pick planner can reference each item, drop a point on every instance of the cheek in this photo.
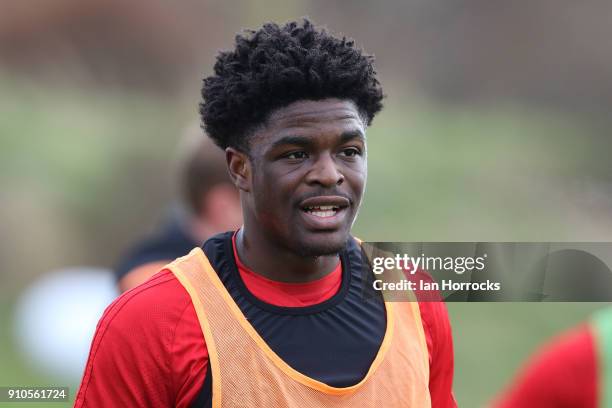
(357, 182)
(272, 196)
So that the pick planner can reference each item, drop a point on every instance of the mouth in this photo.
(325, 212)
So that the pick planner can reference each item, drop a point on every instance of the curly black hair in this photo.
(279, 65)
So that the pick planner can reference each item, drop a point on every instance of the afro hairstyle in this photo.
(276, 66)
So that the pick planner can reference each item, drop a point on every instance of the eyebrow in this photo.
(292, 140)
(352, 134)
(307, 141)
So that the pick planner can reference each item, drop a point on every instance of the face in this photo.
(307, 176)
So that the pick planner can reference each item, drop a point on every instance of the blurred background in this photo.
(496, 128)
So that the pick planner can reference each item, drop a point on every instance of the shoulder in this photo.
(147, 315)
(145, 342)
(158, 299)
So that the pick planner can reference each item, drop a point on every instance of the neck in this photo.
(278, 263)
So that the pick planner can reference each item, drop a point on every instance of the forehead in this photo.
(304, 112)
(311, 118)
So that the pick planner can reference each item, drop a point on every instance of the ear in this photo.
(239, 167)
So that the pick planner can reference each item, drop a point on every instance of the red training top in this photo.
(149, 350)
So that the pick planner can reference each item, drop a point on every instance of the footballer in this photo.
(273, 314)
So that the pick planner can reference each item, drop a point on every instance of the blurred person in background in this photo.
(574, 369)
(209, 205)
(273, 314)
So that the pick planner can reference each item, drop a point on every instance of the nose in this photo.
(325, 172)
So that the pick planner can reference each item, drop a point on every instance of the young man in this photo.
(273, 315)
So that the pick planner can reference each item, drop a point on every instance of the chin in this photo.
(321, 246)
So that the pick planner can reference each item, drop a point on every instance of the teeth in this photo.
(323, 213)
(322, 208)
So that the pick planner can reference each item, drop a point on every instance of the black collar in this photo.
(220, 253)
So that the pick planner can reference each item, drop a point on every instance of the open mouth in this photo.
(323, 211)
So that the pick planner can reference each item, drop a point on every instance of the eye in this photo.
(299, 155)
(351, 152)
